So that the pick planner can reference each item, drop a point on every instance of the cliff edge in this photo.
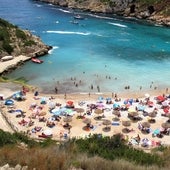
(17, 46)
(157, 11)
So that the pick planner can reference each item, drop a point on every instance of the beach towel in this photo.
(94, 127)
(115, 123)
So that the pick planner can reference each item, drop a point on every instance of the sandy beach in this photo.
(46, 113)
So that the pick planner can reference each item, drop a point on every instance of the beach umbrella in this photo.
(100, 106)
(165, 103)
(141, 107)
(108, 99)
(116, 113)
(168, 115)
(87, 121)
(133, 114)
(146, 124)
(147, 95)
(43, 113)
(67, 119)
(116, 105)
(79, 110)
(70, 103)
(9, 102)
(43, 100)
(56, 112)
(150, 103)
(166, 125)
(152, 114)
(160, 98)
(100, 99)
(98, 111)
(131, 109)
(47, 132)
(106, 122)
(166, 110)
(126, 123)
(51, 105)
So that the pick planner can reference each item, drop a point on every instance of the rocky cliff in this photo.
(153, 10)
(15, 42)
(18, 46)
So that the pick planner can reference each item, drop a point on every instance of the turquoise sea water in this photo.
(105, 51)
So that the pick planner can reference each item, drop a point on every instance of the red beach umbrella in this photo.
(70, 103)
(160, 98)
(166, 110)
(150, 103)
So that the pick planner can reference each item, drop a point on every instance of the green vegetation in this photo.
(20, 80)
(113, 148)
(29, 43)
(11, 37)
(20, 34)
(7, 47)
(96, 152)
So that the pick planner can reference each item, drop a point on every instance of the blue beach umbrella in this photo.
(116, 105)
(56, 112)
(141, 108)
(100, 99)
(9, 102)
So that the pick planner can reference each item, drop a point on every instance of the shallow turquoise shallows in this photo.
(100, 53)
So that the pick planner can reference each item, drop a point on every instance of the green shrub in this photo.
(20, 137)
(112, 148)
(7, 47)
(6, 138)
(4, 23)
(4, 35)
(29, 43)
(20, 34)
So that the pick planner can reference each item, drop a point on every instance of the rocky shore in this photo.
(20, 56)
(156, 13)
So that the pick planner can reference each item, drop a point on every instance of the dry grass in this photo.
(55, 158)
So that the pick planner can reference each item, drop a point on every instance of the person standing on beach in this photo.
(56, 90)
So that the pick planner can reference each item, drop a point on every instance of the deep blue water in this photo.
(105, 51)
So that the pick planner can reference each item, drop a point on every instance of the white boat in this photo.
(78, 17)
(6, 58)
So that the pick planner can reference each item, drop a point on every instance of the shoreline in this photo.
(6, 66)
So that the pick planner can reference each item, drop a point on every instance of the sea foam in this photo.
(117, 24)
(69, 32)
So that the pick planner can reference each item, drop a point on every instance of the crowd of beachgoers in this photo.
(143, 121)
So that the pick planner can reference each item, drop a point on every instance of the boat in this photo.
(7, 58)
(78, 17)
(36, 60)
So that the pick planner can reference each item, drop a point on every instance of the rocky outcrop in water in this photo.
(157, 11)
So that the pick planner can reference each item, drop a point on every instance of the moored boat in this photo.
(78, 17)
(36, 60)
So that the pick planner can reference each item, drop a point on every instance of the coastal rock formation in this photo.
(14, 42)
(18, 45)
(156, 11)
